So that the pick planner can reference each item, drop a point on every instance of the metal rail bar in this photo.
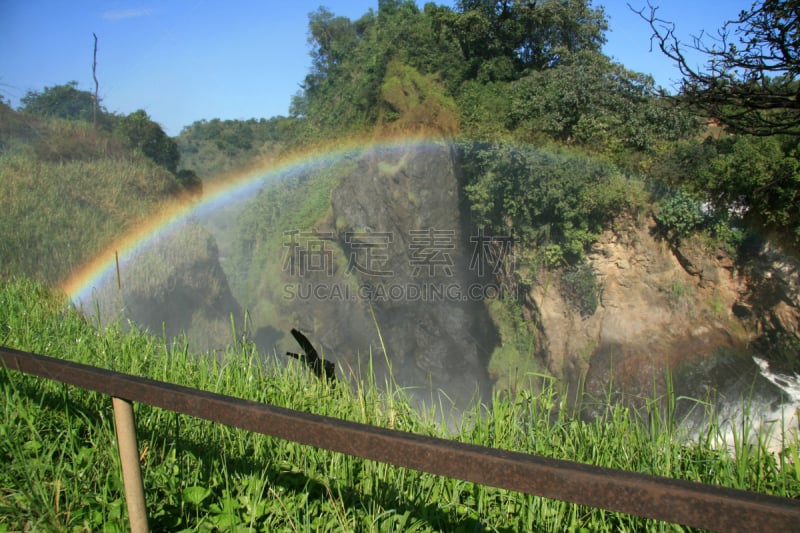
(671, 500)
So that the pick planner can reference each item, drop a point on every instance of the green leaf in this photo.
(195, 494)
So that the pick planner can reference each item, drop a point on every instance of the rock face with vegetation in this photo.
(178, 286)
(652, 314)
(665, 308)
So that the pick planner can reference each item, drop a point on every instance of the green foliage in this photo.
(65, 135)
(57, 215)
(213, 147)
(513, 365)
(413, 102)
(190, 181)
(763, 174)
(500, 41)
(333, 38)
(16, 127)
(60, 466)
(139, 132)
(69, 190)
(60, 101)
(590, 101)
(678, 293)
(485, 110)
(553, 199)
(680, 215)
(341, 91)
(581, 289)
(755, 177)
(476, 43)
(727, 230)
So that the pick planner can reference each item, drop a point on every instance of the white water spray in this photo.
(772, 425)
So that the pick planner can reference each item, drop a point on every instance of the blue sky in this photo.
(186, 60)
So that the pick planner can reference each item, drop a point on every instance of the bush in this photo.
(190, 181)
(141, 133)
(680, 216)
(581, 289)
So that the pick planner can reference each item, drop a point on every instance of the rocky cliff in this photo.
(386, 262)
(388, 267)
(688, 309)
(437, 333)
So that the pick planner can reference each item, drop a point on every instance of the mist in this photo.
(377, 259)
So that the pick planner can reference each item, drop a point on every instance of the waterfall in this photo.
(771, 423)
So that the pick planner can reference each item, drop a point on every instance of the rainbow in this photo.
(99, 270)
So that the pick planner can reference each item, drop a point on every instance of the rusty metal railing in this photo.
(671, 500)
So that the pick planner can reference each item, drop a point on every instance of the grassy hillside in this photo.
(68, 190)
(62, 469)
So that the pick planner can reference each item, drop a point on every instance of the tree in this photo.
(750, 80)
(503, 39)
(411, 101)
(341, 90)
(755, 177)
(332, 38)
(486, 41)
(591, 101)
(190, 181)
(141, 133)
(350, 59)
(60, 101)
(96, 106)
(679, 216)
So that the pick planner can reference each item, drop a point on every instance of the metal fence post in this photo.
(131, 470)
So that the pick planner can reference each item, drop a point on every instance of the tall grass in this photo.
(60, 466)
(68, 190)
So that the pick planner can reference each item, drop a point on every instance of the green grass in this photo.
(57, 212)
(60, 467)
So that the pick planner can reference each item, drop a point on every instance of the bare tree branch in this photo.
(749, 82)
(96, 83)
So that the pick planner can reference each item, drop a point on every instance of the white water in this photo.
(789, 384)
(773, 425)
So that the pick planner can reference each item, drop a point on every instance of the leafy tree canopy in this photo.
(411, 101)
(60, 101)
(592, 101)
(213, 147)
(502, 39)
(757, 178)
(141, 133)
(554, 200)
(482, 41)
